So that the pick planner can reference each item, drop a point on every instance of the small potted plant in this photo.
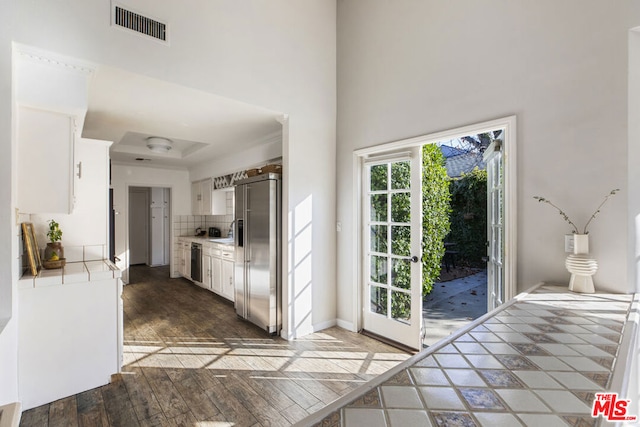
(54, 252)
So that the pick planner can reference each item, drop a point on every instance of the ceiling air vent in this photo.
(140, 24)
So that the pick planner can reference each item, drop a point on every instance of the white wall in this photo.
(270, 148)
(409, 68)
(634, 160)
(279, 55)
(8, 229)
(633, 221)
(125, 176)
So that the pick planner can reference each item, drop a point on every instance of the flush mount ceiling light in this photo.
(159, 145)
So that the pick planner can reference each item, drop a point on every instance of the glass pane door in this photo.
(392, 236)
(495, 225)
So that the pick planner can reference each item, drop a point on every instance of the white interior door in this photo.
(392, 220)
(494, 160)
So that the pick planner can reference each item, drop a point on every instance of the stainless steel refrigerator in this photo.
(257, 231)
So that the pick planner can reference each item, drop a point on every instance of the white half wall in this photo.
(410, 68)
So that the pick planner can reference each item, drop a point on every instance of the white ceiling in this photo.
(127, 108)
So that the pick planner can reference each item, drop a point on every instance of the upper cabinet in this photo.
(51, 101)
(219, 201)
(46, 166)
(201, 197)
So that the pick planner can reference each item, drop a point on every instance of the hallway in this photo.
(189, 359)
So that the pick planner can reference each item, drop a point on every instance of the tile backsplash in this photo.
(185, 225)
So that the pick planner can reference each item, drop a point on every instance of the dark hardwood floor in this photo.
(189, 361)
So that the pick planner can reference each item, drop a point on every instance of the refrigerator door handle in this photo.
(240, 232)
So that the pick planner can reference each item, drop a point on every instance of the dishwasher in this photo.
(196, 262)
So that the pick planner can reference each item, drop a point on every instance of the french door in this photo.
(392, 221)
(494, 160)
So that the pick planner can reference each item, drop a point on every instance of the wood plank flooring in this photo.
(189, 361)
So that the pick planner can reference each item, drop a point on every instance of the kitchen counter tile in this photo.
(99, 270)
(75, 272)
(48, 278)
(565, 348)
(26, 282)
(72, 272)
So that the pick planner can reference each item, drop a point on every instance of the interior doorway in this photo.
(392, 244)
(149, 226)
(138, 225)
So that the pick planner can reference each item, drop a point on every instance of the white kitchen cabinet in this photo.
(178, 258)
(159, 197)
(196, 198)
(217, 265)
(46, 164)
(181, 260)
(206, 187)
(212, 270)
(201, 197)
(228, 289)
(186, 254)
(88, 224)
(216, 275)
(219, 202)
(184, 258)
(206, 271)
(160, 226)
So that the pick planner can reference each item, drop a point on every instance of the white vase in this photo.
(581, 266)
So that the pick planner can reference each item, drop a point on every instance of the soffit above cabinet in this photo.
(128, 108)
(53, 82)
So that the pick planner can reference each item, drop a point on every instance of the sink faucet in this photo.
(230, 234)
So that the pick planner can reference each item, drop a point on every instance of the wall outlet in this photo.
(568, 242)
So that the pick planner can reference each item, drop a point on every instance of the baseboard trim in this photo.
(324, 325)
(10, 415)
(346, 325)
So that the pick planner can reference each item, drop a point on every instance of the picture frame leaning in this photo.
(31, 250)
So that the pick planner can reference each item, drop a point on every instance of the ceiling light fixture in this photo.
(159, 145)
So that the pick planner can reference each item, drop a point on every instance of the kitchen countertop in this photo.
(72, 272)
(226, 241)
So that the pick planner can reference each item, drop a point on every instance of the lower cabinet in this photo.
(212, 270)
(179, 258)
(186, 253)
(218, 262)
(217, 269)
(216, 274)
(228, 288)
(184, 258)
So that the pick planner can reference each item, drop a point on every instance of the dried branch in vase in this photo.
(566, 217)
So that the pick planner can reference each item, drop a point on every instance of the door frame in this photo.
(143, 215)
(124, 259)
(510, 207)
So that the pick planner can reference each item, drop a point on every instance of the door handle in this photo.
(413, 259)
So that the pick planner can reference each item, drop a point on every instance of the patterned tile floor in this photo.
(537, 362)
